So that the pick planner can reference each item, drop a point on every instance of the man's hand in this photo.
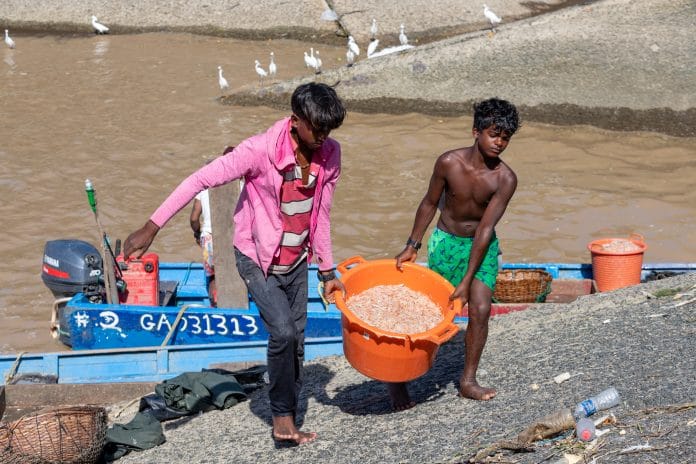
(139, 241)
(408, 255)
(332, 286)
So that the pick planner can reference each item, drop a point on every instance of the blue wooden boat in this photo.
(178, 311)
(189, 319)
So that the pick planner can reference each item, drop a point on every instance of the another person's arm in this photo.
(195, 219)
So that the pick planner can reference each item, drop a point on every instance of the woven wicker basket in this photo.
(70, 435)
(522, 286)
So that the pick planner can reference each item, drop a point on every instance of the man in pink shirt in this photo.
(282, 221)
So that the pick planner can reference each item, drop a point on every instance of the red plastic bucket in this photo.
(390, 356)
(617, 269)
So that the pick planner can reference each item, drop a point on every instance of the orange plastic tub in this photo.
(390, 356)
(617, 269)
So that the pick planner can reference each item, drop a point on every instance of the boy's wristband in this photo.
(326, 277)
(412, 243)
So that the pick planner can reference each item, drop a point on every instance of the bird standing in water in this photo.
(272, 68)
(8, 40)
(260, 71)
(98, 27)
(373, 29)
(222, 82)
(317, 63)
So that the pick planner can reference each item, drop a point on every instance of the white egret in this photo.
(272, 68)
(8, 40)
(98, 27)
(350, 58)
(353, 46)
(372, 48)
(260, 71)
(317, 63)
(403, 40)
(307, 60)
(222, 82)
(493, 18)
(373, 29)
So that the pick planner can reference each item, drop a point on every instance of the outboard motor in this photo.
(72, 266)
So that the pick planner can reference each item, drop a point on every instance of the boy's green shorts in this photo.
(448, 255)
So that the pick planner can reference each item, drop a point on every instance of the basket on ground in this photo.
(617, 262)
(522, 286)
(390, 356)
(69, 435)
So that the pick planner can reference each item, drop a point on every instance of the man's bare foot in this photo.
(471, 389)
(400, 399)
(284, 430)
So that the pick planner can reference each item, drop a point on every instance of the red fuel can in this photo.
(142, 280)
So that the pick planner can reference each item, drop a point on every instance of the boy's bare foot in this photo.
(284, 430)
(471, 389)
(400, 399)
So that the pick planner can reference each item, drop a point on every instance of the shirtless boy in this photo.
(477, 187)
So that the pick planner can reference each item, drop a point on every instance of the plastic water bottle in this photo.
(604, 400)
(585, 429)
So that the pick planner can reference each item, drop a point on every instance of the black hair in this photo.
(319, 104)
(496, 112)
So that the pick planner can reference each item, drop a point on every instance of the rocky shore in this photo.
(615, 64)
(639, 339)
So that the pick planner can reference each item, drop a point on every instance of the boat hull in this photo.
(188, 318)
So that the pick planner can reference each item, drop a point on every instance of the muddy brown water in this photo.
(137, 113)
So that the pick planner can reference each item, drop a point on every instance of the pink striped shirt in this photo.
(295, 209)
(260, 160)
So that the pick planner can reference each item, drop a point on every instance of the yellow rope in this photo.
(13, 370)
(179, 315)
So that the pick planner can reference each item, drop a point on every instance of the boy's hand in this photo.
(333, 285)
(139, 241)
(408, 255)
(461, 291)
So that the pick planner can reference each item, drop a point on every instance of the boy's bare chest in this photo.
(468, 186)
